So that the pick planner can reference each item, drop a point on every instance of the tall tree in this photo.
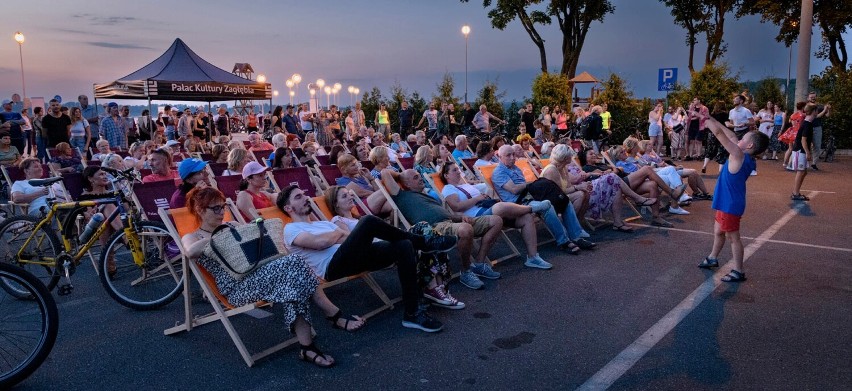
(690, 15)
(714, 28)
(573, 17)
(444, 93)
(834, 17)
(491, 96)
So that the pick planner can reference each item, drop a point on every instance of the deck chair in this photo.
(530, 173)
(544, 163)
(438, 184)
(274, 213)
(12, 174)
(207, 157)
(367, 164)
(229, 185)
(467, 165)
(406, 163)
(636, 214)
(262, 156)
(487, 172)
(150, 197)
(143, 172)
(247, 144)
(73, 184)
(323, 160)
(216, 169)
(180, 222)
(329, 174)
(298, 176)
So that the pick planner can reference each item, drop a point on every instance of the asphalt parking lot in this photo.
(635, 313)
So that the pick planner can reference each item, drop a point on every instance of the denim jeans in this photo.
(41, 149)
(571, 222)
(79, 143)
(551, 220)
(170, 133)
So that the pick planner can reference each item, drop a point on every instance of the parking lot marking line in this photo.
(628, 357)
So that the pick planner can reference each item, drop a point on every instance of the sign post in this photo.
(666, 81)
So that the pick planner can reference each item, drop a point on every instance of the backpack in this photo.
(583, 127)
(545, 189)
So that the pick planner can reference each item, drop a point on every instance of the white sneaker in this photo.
(684, 198)
(678, 211)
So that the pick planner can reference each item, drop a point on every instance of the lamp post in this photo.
(335, 90)
(351, 90)
(297, 78)
(275, 93)
(789, 71)
(465, 30)
(292, 94)
(19, 38)
(356, 91)
(327, 91)
(261, 78)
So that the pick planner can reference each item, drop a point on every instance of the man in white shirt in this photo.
(741, 119)
(335, 252)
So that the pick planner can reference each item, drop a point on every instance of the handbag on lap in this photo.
(242, 249)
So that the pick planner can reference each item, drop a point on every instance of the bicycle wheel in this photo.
(27, 327)
(44, 244)
(154, 284)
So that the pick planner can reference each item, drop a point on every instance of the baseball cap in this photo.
(252, 168)
(171, 143)
(7, 102)
(112, 104)
(189, 166)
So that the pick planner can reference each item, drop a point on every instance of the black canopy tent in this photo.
(180, 74)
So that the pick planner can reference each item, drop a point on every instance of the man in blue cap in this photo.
(194, 174)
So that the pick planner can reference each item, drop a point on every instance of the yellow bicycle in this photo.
(139, 265)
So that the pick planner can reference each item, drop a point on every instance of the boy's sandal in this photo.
(799, 197)
(708, 263)
(622, 228)
(348, 318)
(647, 202)
(734, 276)
(303, 355)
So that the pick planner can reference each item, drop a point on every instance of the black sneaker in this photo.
(422, 321)
(585, 244)
(438, 244)
(814, 167)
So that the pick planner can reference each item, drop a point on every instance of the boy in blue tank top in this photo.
(729, 198)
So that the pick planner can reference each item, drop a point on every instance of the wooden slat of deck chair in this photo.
(262, 156)
(407, 163)
(180, 222)
(487, 172)
(151, 196)
(467, 165)
(438, 184)
(299, 176)
(274, 213)
(398, 219)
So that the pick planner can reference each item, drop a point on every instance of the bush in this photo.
(551, 89)
(712, 83)
(834, 86)
(628, 114)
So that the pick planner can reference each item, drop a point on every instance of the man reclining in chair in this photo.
(417, 206)
(335, 252)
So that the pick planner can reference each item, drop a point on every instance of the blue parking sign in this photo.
(667, 79)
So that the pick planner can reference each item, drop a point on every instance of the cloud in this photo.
(112, 45)
(81, 32)
(105, 20)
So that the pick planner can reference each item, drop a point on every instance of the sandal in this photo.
(570, 247)
(622, 228)
(661, 223)
(799, 197)
(734, 276)
(647, 202)
(348, 318)
(708, 263)
(303, 355)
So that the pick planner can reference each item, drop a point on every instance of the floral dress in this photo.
(287, 281)
(604, 191)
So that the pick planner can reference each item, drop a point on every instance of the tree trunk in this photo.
(691, 66)
(536, 38)
(836, 46)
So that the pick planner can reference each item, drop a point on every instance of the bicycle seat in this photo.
(45, 181)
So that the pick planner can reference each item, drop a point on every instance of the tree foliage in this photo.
(712, 83)
(370, 103)
(550, 89)
(572, 17)
(834, 17)
(444, 93)
(491, 97)
(703, 16)
(628, 113)
(768, 90)
(834, 85)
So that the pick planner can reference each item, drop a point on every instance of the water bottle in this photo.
(92, 226)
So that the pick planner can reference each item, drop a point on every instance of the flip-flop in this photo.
(734, 276)
(622, 228)
(708, 263)
(648, 202)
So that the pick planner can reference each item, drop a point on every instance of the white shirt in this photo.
(739, 116)
(317, 259)
(480, 163)
(766, 127)
(23, 186)
(470, 189)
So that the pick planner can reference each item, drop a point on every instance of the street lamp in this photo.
(327, 91)
(351, 90)
(19, 38)
(261, 78)
(320, 83)
(292, 94)
(297, 78)
(793, 24)
(335, 90)
(356, 90)
(465, 30)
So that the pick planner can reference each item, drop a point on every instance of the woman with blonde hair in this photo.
(220, 153)
(381, 160)
(237, 159)
(359, 180)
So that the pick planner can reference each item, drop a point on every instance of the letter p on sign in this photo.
(667, 79)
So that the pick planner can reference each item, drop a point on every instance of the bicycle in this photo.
(828, 150)
(147, 273)
(28, 326)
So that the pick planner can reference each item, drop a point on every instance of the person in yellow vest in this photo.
(383, 121)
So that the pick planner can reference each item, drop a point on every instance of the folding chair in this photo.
(406, 163)
(12, 174)
(179, 222)
(368, 164)
(438, 184)
(274, 213)
(262, 156)
(204, 156)
(467, 165)
(73, 184)
(530, 173)
(329, 174)
(299, 176)
(229, 185)
(152, 196)
(143, 172)
(247, 144)
(323, 160)
(216, 169)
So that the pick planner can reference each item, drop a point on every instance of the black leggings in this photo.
(358, 253)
